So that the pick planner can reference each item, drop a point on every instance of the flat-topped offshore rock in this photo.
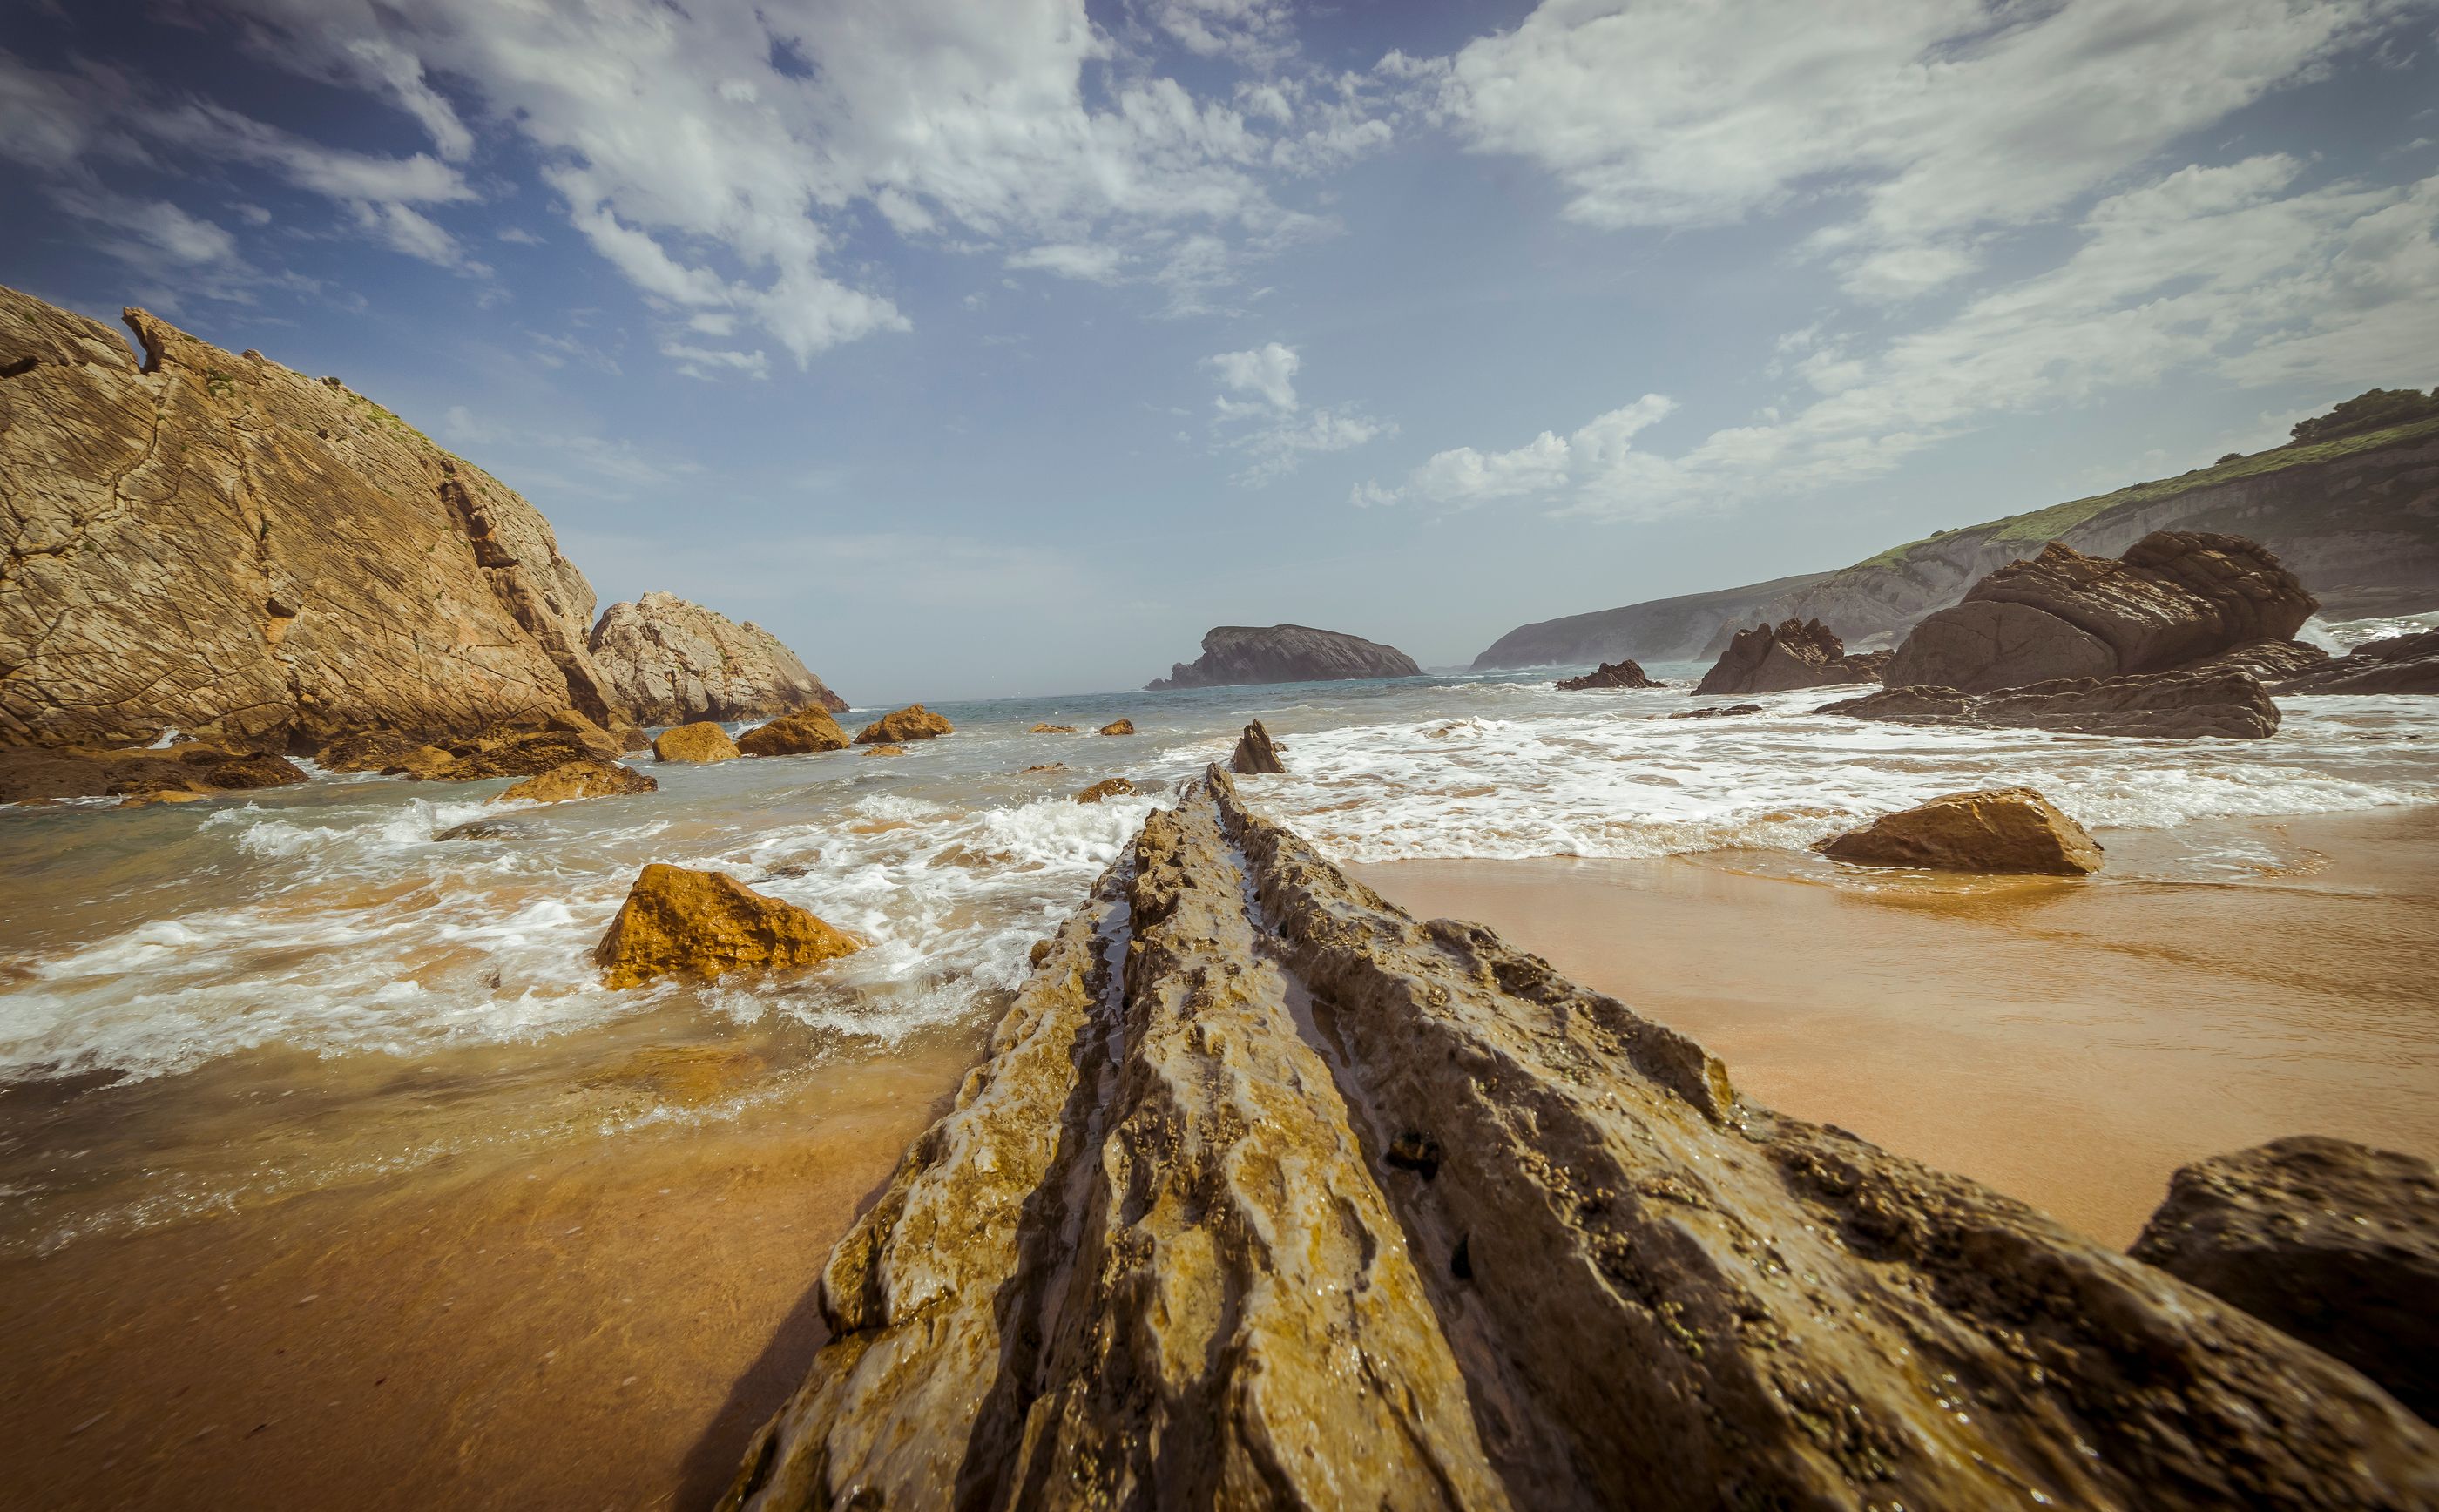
(1238, 654)
(1271, 1194)
(672, 662)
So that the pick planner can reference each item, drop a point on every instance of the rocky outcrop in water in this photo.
(216, 543)
(672, 662)
(1118, 727)
(1108, 788)
(580, 779)
(196, 769)
(2401, 664)
(1269, 1195)
(2333, 1242)
(1236, 654)
(1998, 829)
(913, 723)
(705, 924)
(803, 732)
(2162, 706)
(511, 752)
(1775, 658)
(1254, 753)
(2174, 598)
(1626, 674)
(699, 742)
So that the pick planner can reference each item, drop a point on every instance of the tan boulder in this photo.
(1108, 788)
(913, 723)
(884, 751)
(1254, 753)
(1053, 729)
(580, 779)
(1998, 829)
(802, 733)
(1119, 727)
(703, 924)
(702, 742)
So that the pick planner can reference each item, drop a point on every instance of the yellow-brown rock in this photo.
(580, 779)
(701, 741)
(1119, 727)
(1998, 829)
(799, 734)
(1052, 729)
(913, 723)
(885, 750)
(1108, 788)
(704, 924)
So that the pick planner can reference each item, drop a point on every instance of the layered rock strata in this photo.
(219, 544)
(2174, 598)
(1998, 829)
(672, 662)
(1255, 753)
(2330, 1242)
(2401, 664)
(2160, 705)
(1775, 658)
(196, 769)
(1269, 1195)
(1238, 654)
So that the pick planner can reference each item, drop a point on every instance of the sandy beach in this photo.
(2070, 1043)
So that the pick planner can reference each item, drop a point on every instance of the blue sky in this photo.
(997, 347)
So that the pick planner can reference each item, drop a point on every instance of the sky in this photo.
(1003, 346)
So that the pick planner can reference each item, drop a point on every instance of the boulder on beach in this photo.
(698, 742)
(580, 779)
(1628, 673)
(1254, 753)
(803, 732)
(913, 723)
(703, 924)
(2174, 598)
(1269, 1194)
(2401, 664)
(1108, 788)
(1775, 658)
(672, 662)
(1997, 829)
(2333, 1242)
(1234, 655)
(2227, 703)
(1118, 727)
(1053, 729)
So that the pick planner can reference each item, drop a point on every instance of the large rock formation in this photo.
(2401, 664)
(2175, 598)
(705, 924)
(523, 749)
(913, 723)
(218, 543)
(672, 662)
(2333, 1242)
(1626, 674)
(1998, 829)
(2162, 706)
(1235, 654)
(194, 768)
(1775, 658)
(1269, 1195)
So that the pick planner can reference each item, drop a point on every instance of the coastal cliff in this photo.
(672, 662)
(1270, 1194)
(1235, 654)
(220, 545)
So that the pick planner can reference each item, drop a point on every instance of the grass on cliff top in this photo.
(2043, 525)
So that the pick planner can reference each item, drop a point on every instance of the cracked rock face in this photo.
(1774, 658)
(2182, 706)
(1269, 1195)
(222, 546)
(673, 663)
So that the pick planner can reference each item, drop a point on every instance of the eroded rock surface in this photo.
(1236, 654)
(517, 750)
(1255, 751)
(1269, 1195)
(2174, 598)
(222, 546)
(913, 723)
(1774, 658)
(1628, 673)
(803, 732)
(1108, 788)
(699, 742)
(2401, 664)
(2162, 706)
(1998, 829)
(2333, 1242)
(705, 924)
(196, 769)
(580, 779)
(672, 662)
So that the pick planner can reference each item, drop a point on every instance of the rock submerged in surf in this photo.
(1266, 1188)
(1108, 788)
(913, 723)
(1629, 674)
(1119, 727)
(806, 732)
(580, 779)
(698, 742)
(1255, 753)
(1997, 829)
(705, 924)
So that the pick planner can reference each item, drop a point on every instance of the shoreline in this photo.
(2068, 1044)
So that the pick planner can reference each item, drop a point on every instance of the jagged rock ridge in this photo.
(218, 543)
(1269, 1195)
(1238, 654)
(672, 662)
(1793, 654)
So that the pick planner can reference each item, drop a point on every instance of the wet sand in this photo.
(2068, 1042)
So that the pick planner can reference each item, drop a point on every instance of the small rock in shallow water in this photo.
(1255, 752)
(913, 723)
(1108, 788)
(1119, 727)
(698, 742)
(580, 779)
(1998, 829)
(703, 924)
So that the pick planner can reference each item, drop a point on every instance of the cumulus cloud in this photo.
(1266, 371)
(1596, 460)
(1271, 428)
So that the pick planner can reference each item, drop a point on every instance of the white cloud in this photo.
(1071, 260)
(1254, 31)
(1942, 119)
(1280, 434)
(1268, 371)
(709, 362)
(1593, 460)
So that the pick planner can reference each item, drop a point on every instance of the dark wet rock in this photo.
(197, 769)
(1236, 654)
(1255, 752)
(1609, 674)
(2161, 706)
(1997, 829)
(1718, 711)
(2272, 662)
(2333, 1242)
(1271, 1194)
(2401, 664)
(1775, 658)
(497, 752)
(482, 829)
